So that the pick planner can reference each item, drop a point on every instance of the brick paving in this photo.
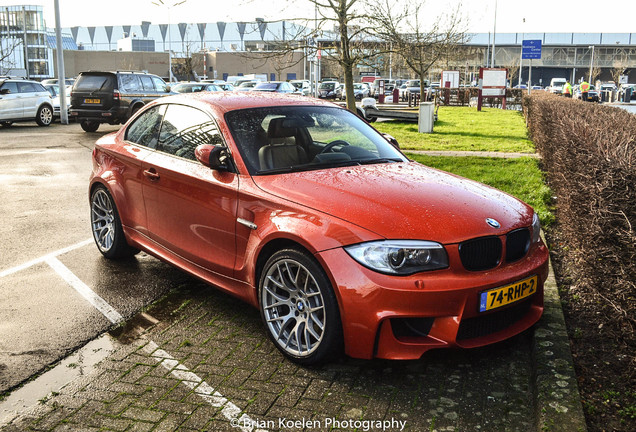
(222, 349)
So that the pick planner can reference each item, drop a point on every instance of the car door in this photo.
(191, 208)
(141, 139)
(10, 101)
(29, 94)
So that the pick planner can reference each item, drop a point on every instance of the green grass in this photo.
(465, 129)
(520, 177)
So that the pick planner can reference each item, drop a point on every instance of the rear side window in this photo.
(159, 84)
(146, 82)
(184, 128)
(129, 83)
(92, 82)
(145, 129)
(27, 87)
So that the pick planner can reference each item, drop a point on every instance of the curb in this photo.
(558, 402)
(506, 155)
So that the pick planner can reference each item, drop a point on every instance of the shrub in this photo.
(589, 155)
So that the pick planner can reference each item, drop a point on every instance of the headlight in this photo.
(536, 229)
(401, 257)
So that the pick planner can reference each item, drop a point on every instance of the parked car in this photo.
(54, 91)
(112, 97)
(246, 85)
(276, 87)
(67, 81)
(375, 87)
(592, 94)
(411, 87)
(193, 87)
(24, 100)
(310, 215)
(330, 90)
(303, 86)
(627, 90)
(359, 91)
(226, 86)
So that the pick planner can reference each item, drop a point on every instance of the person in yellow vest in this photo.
(585, 87)
(567, 89)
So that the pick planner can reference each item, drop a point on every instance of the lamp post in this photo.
(591, 63)
(494, 35)
(160, 3)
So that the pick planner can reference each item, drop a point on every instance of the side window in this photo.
(184, 128)
(146, 82)
(11, 86)
(129, 83)
(145, 129)
(159, 84)
(27, 87)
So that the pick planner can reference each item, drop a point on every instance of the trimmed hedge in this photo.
(589, 156)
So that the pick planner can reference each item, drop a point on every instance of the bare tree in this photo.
(354, 46)
(421, 40)
(8, 46)
(621, 63)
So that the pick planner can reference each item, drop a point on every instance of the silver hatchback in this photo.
(24, 100)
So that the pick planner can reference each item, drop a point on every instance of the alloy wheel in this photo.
(293, 307)
(102, 220)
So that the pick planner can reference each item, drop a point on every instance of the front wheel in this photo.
(299, 308)
(106, 226)
(44, 117)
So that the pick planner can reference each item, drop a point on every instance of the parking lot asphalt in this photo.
(197, 359)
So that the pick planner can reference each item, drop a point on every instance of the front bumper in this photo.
(401, 318)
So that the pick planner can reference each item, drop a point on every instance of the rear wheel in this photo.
(299, 308)
(106, 226)
(44, 117)
(89, 126)
(6, 123)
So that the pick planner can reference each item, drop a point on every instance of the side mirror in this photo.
(168, 89)
(5, 91)
(391, 140)
(212, 156)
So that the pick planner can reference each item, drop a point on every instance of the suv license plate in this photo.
(498, 297)
(92, 101)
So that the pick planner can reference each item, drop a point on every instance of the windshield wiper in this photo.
(378, 160)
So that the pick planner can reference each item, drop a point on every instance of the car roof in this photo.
(222, 102)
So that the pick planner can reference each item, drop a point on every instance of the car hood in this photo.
(402, 201)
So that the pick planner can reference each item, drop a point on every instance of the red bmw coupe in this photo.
(306, 212)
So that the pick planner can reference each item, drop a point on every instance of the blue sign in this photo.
(531, 49)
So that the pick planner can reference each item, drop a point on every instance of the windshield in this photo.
(304, 138)
(327, 86)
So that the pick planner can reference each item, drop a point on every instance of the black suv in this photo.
(112, 97)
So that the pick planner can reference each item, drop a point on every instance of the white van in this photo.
(556, 85)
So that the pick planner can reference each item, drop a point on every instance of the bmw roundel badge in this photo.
(493, 223)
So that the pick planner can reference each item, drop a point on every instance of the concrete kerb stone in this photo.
(557, 399)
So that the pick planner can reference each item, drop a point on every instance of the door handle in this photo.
(151, 174)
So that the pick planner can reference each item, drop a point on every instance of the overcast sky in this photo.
(584, 16)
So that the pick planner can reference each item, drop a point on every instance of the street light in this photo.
(591, 63)
(160, 3)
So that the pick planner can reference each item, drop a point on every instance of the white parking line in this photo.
(201, 388)
(93, 298)
(42, 259)
(190, 379)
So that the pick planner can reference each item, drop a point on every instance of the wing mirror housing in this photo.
(215, 157)
(391, 140)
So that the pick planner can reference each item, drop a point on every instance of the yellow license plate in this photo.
(92, 101)
(498, 297)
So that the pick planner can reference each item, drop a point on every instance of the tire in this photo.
(299, 308)
(6, 124)
(44, 116)
(106, 226)
(89, 126)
